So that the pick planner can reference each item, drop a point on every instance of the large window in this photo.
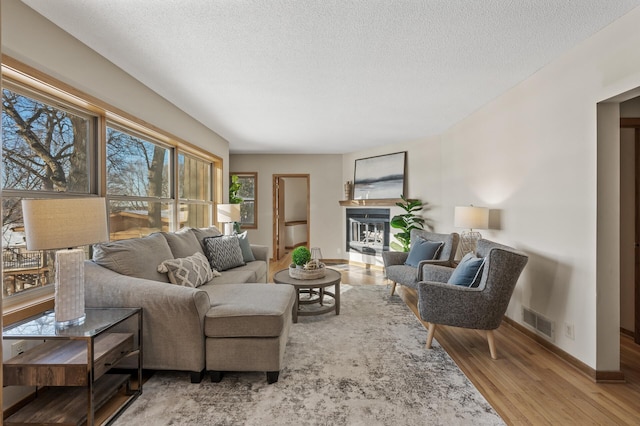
(194, 191)
(47, 145)
(248, 192)
(58, 142)
(138, 185)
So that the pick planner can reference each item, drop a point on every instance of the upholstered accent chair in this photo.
(398, 272)
(480, 307)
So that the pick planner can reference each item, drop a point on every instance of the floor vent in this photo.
(538, 322)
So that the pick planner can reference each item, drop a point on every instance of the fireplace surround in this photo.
(367, 231)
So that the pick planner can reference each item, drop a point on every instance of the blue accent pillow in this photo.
(422, 249)
(468, 272)
(245, 246)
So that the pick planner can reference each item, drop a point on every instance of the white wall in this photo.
(35, 41)
(295, 195)
(531, 156)
(326, 189)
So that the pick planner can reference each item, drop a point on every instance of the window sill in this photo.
(26, 308)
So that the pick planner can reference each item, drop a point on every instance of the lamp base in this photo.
(69, 288)
(228, 228)
(469, 241)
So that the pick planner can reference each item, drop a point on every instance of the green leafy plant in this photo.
(234, 187)
(300, 255)
(406, 222)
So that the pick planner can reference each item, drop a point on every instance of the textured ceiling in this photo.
(330, 76)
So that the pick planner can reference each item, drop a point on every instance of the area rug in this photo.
(366, 366)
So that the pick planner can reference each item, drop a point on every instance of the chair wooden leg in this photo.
(492, 344)
(393, 287)
(432, 331)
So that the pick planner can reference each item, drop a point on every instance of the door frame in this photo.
(277, 233)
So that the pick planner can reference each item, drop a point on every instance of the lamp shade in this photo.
(471, 217)
(228, 213)
(57, 223)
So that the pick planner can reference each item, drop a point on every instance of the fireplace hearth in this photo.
(367, 231)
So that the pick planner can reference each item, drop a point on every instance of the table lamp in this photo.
(65, 224)
(472, 218)
(228, 214)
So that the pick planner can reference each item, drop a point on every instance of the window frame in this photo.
(254, 176)
(46, 88)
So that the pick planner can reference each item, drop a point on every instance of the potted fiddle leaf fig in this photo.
(406, 222)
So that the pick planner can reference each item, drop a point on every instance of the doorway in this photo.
(291, 213)
(630, 189)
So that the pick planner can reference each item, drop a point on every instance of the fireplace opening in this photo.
(367, 231)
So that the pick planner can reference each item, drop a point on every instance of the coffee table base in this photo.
(315, 287)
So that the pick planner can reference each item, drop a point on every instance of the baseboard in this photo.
(595, 375)
(353, 262)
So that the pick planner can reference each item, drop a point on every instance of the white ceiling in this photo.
(330, 76)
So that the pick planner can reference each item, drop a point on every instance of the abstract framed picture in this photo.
(379, 177)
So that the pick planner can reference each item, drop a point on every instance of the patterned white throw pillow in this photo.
(223, 252)
(190, 271)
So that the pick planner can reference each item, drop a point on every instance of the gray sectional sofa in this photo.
(233, 322)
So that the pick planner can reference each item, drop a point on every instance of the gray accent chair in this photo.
(399, 273)
(481, 307)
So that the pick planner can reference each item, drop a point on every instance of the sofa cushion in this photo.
(223, 252)
(251, 310)
(252, 272)
(190, 271)
(202, 233)
(468, 272)
(183, 243)
(422, 249)
(136, 257)
(245, 246)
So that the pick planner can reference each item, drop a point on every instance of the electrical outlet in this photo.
(18, 347)
(569, 331)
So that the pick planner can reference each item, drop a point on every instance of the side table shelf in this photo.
(71, 368)
(46, 408)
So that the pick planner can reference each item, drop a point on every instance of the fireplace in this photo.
(367, 231)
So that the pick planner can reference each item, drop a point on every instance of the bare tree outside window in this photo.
(45, 148)
(138, 178)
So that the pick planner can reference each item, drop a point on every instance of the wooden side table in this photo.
(76, 360)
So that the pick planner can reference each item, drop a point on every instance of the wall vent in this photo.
(538, 322)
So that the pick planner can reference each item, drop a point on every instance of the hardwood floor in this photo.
(527, 384)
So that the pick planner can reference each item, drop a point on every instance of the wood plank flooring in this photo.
(527, 384)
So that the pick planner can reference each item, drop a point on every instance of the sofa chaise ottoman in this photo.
(233, 322)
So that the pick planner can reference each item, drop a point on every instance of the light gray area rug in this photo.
(367, 366)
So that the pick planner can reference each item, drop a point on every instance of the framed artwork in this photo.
(379, 177)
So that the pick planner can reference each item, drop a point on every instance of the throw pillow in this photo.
(422, 249)
(190, 271)
(202, 233)
(136, 257)
(468, 272)
(223, 252)
(183, 243)
(245, 246)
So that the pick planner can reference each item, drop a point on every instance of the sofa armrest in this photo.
(394, 257)
(260, 252)
(172, 315)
